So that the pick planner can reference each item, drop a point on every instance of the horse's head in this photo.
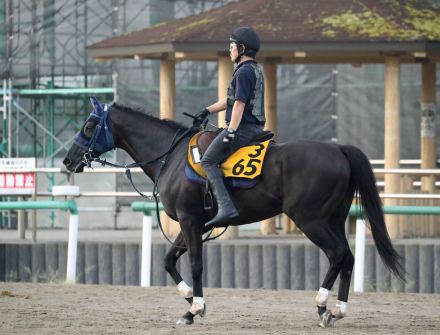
(94, 138)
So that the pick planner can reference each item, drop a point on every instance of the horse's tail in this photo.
(364, 182)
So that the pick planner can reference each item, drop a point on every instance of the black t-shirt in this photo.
(243, 83)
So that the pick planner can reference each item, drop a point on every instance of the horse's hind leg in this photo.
(338, 227)
(341, 262)
(344, 260)
(336, 249)
(178, 249)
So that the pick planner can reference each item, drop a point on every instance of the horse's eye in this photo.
(88, 129)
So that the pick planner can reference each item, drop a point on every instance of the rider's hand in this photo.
(200, 117)
(230, 135)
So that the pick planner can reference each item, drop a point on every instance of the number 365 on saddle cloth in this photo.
(246, 162)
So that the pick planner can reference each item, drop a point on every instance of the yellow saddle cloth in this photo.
(246, 162)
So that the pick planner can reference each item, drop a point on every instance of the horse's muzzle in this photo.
(73, 160)
(67, 162)
(75, 168)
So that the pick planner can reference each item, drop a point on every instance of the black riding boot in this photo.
(226, 209)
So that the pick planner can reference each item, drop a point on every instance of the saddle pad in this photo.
(232, 182)
(246, 162)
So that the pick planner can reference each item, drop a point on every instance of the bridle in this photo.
(96, 147)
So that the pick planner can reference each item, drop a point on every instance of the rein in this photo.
(127, 168)
(88, 158)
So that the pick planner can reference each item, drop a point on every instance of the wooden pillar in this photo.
(270, 107)
(427, 126)
(392, 137)
(225, 70)
(428, 139)
(167, 111)
(407, 222)
(270, 95)
(167, 89)
(287, 224)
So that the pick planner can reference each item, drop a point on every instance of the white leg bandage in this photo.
(322, 297)
(198, 305)
(340, 309)
(184, 290)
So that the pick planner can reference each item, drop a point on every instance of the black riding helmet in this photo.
(248, 38)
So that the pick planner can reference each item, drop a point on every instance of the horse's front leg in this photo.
(177, 250)
(192, 230)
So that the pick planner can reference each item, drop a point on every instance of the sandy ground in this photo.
(97, 309)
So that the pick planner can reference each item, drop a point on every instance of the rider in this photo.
(244, 116)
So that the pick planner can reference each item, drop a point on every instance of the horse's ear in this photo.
(95, 103)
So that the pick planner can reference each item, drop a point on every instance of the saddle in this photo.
(241, 168)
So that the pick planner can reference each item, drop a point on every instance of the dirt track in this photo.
(88, 309)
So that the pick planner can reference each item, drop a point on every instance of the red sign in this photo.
(15, 178)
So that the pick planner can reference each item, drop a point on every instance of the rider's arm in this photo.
(237, 113)
(218, 106)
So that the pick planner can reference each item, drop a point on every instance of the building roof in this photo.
(350, 30)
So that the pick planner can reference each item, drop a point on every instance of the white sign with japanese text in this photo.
(16, 176)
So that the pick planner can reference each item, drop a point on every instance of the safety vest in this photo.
(256, 101)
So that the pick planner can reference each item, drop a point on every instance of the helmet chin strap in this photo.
(240, 54)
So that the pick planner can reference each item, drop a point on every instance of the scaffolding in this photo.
(47, 76)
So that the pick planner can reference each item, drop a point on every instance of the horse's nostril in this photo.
(66, 161)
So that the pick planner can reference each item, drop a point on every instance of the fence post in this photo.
(72, 249)
(21, 224)
(70, 191)
(359, 264)
(146, 250)
(146, 208)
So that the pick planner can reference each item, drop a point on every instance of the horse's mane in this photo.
(141, 112)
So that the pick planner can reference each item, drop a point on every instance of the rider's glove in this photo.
(199, 118)
(230, 135)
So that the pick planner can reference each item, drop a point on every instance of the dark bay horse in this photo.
(314, 183)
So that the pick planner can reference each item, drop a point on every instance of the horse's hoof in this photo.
(327, 320)
(203, 313)
(186, 319)
(183, 321)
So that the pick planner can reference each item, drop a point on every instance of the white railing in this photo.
(133, 194)
(146, 239)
